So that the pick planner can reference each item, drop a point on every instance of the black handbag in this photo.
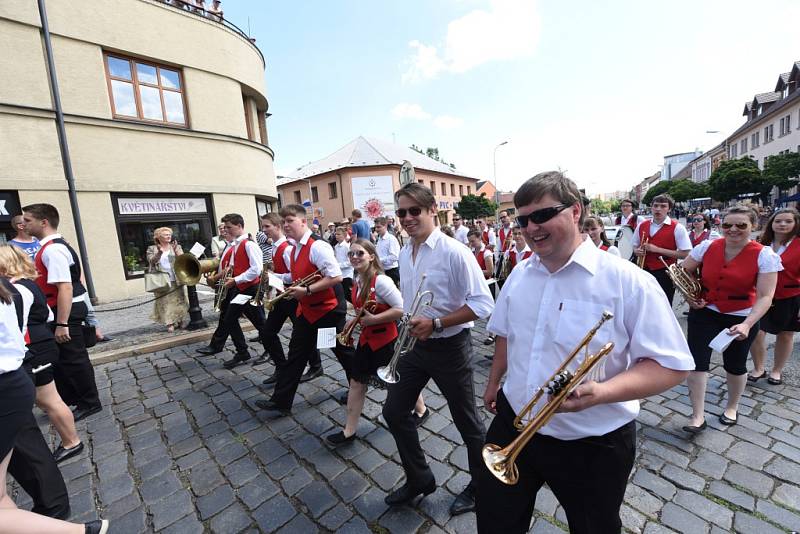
(89, 335)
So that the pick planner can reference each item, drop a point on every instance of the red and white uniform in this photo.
(488, 237)
(309, 255)
(699, 238)
(56, 262)
(670, 235)
(515, 256)
(247, 261)
(505, 242)
(630, 220)
(281, 250)
(789, 278)
(481, 256)
(385, 293)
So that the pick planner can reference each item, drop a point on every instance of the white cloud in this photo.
(508, 30)
(404, 110)
(446, 122)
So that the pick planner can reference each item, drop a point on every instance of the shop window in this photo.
(145, 91)
(135, 237)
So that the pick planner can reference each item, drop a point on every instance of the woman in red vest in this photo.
(378, 331)
(700, 229)
(519, 250)
(783, 317)
(738, 277)
(596, 230)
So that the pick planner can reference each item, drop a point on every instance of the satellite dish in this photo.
(406, 173)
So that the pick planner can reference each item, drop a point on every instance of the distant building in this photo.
(702, 166)
(675, 163)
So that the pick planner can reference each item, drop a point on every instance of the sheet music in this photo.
(326, 338)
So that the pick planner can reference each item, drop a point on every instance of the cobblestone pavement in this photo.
(179, 447)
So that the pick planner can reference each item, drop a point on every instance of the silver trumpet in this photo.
(405, 341)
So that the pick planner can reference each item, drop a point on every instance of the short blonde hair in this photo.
(15, 263)
(158, 231)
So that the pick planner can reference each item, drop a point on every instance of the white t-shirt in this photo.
(12, 344)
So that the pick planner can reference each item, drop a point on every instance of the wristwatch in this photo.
(437, 325)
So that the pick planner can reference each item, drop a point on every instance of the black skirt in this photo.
(782, 316)
(16, 403)
(367, 361)
(39, 354)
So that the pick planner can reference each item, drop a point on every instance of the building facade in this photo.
(703, 165)
(675, 163)
(165, 113)
(364, 174)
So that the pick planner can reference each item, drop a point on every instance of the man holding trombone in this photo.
(586, 452)
(432, 262)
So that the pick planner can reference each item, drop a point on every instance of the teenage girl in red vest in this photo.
(375, 345)
(700, 229)
(783, 317)
(519, 250)
(738, 277)
(596, 230)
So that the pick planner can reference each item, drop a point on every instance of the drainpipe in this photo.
(341, 194)
(62, 144)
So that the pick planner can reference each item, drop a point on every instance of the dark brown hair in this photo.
(420, 194)
(233, 218)
(768, 235)
(293, 210)
(375, 268)
(597, 221)
(554, 183)
(273, 218)
(663, 198)
(42, 212)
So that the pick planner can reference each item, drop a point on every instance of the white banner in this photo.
(374, 196)
(152, 206)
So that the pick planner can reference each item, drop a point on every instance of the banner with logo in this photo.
(374, 196)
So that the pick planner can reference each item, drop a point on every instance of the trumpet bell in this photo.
(189, 270)
(497, 462)
(385, 373)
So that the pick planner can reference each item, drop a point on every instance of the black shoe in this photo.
(342, 399)
(238, 358)
(465, 502)
(271, 381)
(271, 405)
(695, 429)
(100, 526)
(407, 494)
(727, 421)
(104, 339)
(338, 438)
(255, 339)
(264, 358)
(752, 378)
(207, 351)
(83, 413)
(61, 454)
(311, 374)
(419, 419)
(489, 340)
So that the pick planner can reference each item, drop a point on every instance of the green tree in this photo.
(735, 177)
(782, 170)
(475, 207)
(658, 189)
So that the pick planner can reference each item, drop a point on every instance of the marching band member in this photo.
(379, 330)
(665, 237)
(627, 217)
(388, 250)
(318, 306)
(585, 453)
(520, 250)
(443, 350)
(482, 254)
(701, 229)
(60, 280)
(739, 277)
(244, 261)
(487, 234)
(505, 232)
(341, 250)
(783, 317)
(596, 230)
(460, 230)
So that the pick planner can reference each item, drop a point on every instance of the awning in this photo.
(793, 198)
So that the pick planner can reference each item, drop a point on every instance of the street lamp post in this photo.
(496, 185)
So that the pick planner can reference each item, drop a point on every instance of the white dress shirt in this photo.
(12, 344)
(321, 255)
(768, 262)
(460, 234)
(623, 219)
(492, 237)
(58, 259)
(611, 249)
(340, 251)
(385, 291)
(681, 235)
(544, 316)
(388, 250)
(453, 276)
(254, 255)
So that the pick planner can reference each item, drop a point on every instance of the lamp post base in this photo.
(196, 320)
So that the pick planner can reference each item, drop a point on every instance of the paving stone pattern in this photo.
(181, 448)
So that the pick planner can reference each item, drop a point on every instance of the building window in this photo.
(452, 190)
(755, 140)
(263, 207)
(444, 189)
(734, 151)
(468, 190)
(145, 91)
(433, 187)
(332, 193)
(743, 145)
(769, 133)
(784, 126)
(314, 194)
(461, 190)
(297, 197)
(262, 127)
(248, 119)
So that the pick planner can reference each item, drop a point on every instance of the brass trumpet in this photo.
(303, 282)
(263, 285)
(684, 282)
(222, 289)
(640, 259)
(405, 341)
(501, 460)
(345, 337)
(189, 270)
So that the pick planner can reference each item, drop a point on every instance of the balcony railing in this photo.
(209, 13)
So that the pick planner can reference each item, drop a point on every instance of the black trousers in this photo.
(229, 321)
(394, 274)
(74, 374)
(448, 362)
(303, 346)
(588, 477)
(665, 282)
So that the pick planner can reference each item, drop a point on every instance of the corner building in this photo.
(165, 113)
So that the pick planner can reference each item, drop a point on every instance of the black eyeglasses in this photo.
(740, 226)
(540, 216)
(356, 253)
(414, 212)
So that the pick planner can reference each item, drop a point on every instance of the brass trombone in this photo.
(405, 341)
(303, 282)
(501, 461)
(345, 337)
(683, 281)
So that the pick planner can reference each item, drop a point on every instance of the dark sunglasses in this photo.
(740, 226)
(414, 212)
(456, 218)
(356, 253)
(698, 219)
(540, 216)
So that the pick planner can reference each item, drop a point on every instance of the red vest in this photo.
(482, 261)
(699, 239)
(503, 236)
(664, 238)
(313, 307)
(277, 259)
(512, 256)
(241, 263)
(376, 335)
(603, 247)
(730, 286)
(51, 290)
(631, 222)
(789, 278)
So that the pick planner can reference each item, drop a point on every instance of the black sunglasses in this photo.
(698, 219)
(740, 226)
(356, 253)
(414, 212)
(540, 216)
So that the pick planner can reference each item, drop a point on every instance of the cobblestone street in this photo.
(180, 447)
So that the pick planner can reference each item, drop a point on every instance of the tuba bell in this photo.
(189, 270)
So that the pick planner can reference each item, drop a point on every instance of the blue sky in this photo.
(602, 90)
